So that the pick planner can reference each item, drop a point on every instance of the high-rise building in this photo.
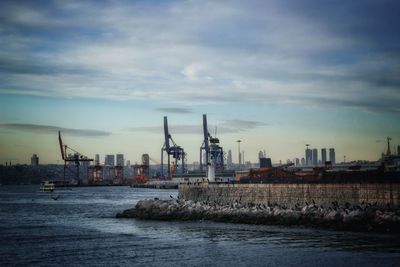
(229, 160)
(261, 154)
(120, 160)
(97, 159)
(109, 160)
(332, 156)
(308, 157)
(34, 160)
(323, 156)
(303, 162)
(315, 157)
(398, 150)
(297, 161)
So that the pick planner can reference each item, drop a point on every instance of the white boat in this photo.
(47, 186)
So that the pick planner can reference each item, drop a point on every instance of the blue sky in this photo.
(276, 74)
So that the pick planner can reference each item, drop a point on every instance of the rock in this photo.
(350, 218)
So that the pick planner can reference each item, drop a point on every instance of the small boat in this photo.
(47, 186)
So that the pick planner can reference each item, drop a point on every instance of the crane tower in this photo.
(75, 157)
(177, 153)
(214, 153)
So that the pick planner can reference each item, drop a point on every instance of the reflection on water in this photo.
(79, 228)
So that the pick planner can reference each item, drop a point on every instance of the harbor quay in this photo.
(291, 195)
(355, 207)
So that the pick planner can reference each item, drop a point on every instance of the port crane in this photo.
(213, 152)
(177, 152)
(74, 157)
(388, 152)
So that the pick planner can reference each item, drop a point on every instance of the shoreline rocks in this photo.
(365, 217)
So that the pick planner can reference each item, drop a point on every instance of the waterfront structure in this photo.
(265, 163)
(332, 156)
(34, 160)
(85, 163)
(315, 157)
(171, 149)
(109, 160)
(323, 156)
(120, 160)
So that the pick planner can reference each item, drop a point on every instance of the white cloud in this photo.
(226, 126)
(192, 51)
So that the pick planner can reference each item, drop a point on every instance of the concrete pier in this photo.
(291, 195)
(344, 206)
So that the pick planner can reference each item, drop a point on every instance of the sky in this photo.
(275, 74)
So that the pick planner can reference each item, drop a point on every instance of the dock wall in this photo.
(289, 195)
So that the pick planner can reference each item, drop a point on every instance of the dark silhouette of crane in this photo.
(211, 148)
(177, 152)
(388, 152)
(205, 146)
(76, 157)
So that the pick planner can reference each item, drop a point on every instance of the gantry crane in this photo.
(388, 152)
(177, 152)
(76, 157)
(213, 152)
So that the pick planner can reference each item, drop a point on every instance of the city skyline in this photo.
(275, 75)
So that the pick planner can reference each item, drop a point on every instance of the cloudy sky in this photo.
(275, 74)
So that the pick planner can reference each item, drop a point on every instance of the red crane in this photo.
(76, 157)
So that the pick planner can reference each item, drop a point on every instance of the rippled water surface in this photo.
(79, 228)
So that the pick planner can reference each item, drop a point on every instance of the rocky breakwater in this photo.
(364, 217)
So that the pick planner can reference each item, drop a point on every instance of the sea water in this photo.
(77, 226)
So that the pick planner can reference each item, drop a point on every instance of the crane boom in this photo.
(154, 160)
(166, 133)
(205, 132)
(173, 150)
(61, 145)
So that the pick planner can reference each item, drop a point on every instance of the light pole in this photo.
(238, 141)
